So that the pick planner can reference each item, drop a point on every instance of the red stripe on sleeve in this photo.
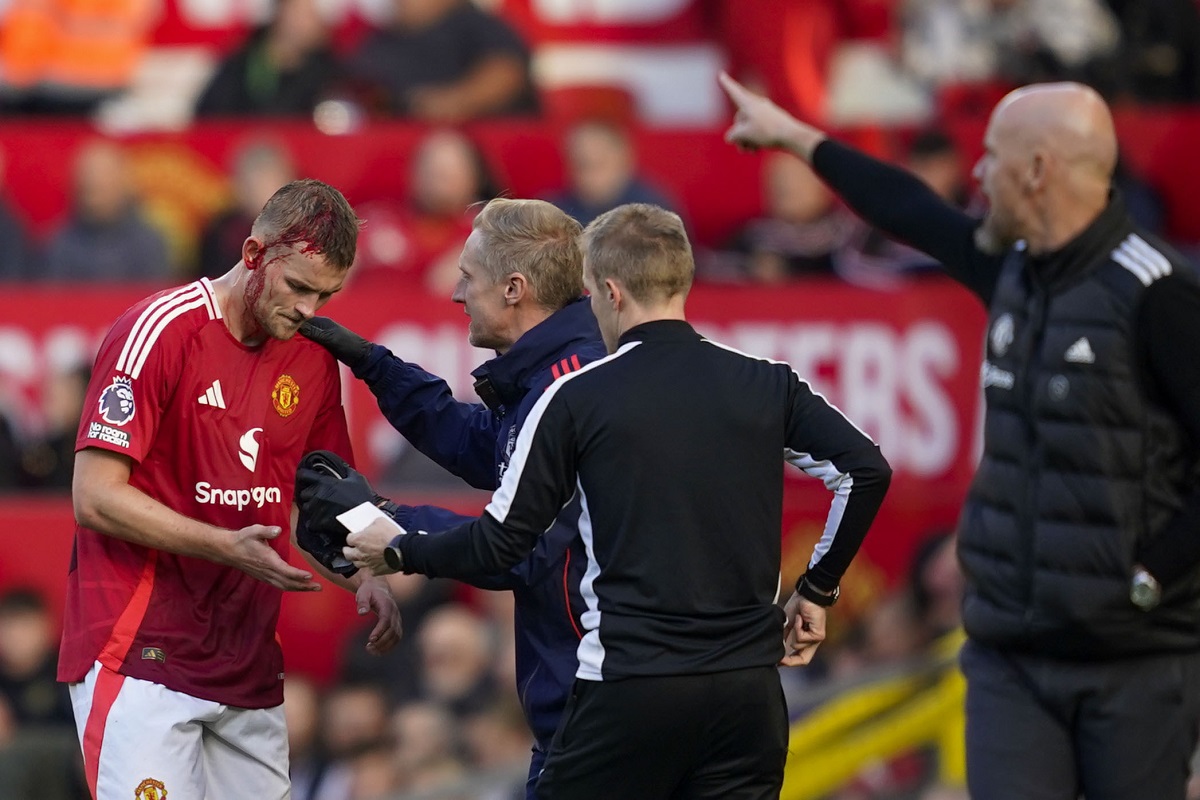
(575, 361)
(554, 370)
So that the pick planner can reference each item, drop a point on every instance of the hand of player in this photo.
(374, 595)
(364, 549)
(344, 344)
(250, 553)
(760, 123)
(803, 632)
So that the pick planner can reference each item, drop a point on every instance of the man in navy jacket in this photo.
(521, 283)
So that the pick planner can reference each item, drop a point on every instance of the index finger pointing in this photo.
(737, 93)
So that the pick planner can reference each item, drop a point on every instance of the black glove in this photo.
(325, 487)
(344, 344)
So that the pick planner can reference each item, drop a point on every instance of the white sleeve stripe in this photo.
(1160, 262)
(797, 374)
(502, 499)
(840, 483)
(147, 318)
(163, 323)
(1154, 268)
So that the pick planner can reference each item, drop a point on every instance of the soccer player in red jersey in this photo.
(201, 404)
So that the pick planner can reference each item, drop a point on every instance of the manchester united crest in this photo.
(150, 789)
(286, 395)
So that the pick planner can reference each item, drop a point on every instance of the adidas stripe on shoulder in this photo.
(1139, 257)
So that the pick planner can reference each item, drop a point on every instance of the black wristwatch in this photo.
(1144, 590)
(814, 595)
(393, 558)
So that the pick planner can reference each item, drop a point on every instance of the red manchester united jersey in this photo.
(215, 430)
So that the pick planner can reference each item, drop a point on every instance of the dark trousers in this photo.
(682, 737)
(1046, 729)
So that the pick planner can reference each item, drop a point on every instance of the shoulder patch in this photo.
(116, 404)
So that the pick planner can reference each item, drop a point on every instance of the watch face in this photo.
(391, 557)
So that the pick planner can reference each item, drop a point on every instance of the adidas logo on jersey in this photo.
(212, 396)
(1081, 352)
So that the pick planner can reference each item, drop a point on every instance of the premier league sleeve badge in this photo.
(116, 402)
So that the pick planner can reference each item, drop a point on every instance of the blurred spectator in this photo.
(427, 745)
(260, 168)
(48, 462)
(16, 255)
(1160, 54)
(936, 585)
(105, 238)
(66, 56)
(602, 173)
(283, 69)
(869, 258)
(1142, 200)
(498, 741)
(445, 61)
(457, 649)
(420, 240)
(314, 775)
(28, 662)
(354, 719)
(1017, 41)
(373, 773)
(935, 158)
(799, 235)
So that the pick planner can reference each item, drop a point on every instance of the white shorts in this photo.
(142, 741)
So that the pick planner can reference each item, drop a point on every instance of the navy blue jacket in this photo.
(474, 441)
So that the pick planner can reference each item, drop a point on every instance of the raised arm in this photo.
(891, 199)
(459, 437)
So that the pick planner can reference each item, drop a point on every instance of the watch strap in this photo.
(814, 595)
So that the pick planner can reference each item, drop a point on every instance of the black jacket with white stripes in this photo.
(1091, 456)
(674, 444)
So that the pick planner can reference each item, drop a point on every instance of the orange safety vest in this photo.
(92, 45)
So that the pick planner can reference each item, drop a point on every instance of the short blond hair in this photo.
(643, 247)
(536, 239)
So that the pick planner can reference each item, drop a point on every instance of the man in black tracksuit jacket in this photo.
(672, 446)
(1079, 536)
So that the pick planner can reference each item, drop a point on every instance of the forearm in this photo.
(856, 502)
(480, 547)
(459, 437)
(901, 205)
(125, 512)
(801, 139)
(433, 518)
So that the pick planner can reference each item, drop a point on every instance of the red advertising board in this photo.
(903, 365)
